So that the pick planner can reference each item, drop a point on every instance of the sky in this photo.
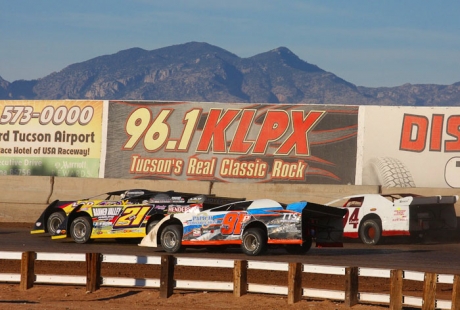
(368, 42)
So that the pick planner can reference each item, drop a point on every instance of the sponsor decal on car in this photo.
(196, 232)
(202, 219)
(178, 208)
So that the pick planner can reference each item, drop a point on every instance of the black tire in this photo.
(171, 239)
(370, 232)
(254, 241)
(300, 249)
(80, 229)
(54, 221)
(150, 226)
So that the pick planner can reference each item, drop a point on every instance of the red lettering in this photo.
(274, 126)
(453, 129)
(413, 133)
(239, 145)
(298, 139)
(436, 132)
(214, 130)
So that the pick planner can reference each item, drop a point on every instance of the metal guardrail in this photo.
(240, 286)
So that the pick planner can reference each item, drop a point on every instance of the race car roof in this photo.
(263, 203)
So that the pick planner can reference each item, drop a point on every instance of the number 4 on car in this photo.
(373, 217)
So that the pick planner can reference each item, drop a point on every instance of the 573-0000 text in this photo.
(62, 114)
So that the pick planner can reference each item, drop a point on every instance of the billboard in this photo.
(55, 138)
(252, 143)
(409, 147)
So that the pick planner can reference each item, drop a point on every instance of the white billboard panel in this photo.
(409, 146)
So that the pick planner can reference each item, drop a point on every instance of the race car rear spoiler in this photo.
(314, 210)
(326, 222)
(433, 200)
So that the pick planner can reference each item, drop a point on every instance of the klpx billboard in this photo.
(232, 142)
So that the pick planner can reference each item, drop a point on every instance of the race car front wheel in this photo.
(54, 221)
(171, 238)
(80, 229)
(254, 241)
(370, 232)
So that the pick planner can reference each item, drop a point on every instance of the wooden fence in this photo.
(240, 286)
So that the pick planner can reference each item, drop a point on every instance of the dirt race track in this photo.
(16, 238)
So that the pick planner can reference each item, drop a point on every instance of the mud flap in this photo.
(326, 224)
(150, 240)
(433, 213)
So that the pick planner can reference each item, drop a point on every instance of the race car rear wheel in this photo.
(254, 241)
(54, 221)
(300, 249)
(171, 238)
(370, 232)
(80, 229)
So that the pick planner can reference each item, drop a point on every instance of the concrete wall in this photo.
(24, 198)
(77, 188)
(290, 192)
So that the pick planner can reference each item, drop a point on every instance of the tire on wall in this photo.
(388, 172)
(80, 229)
(370, 231)
(54, 221)
(254, 241)
(171, 239)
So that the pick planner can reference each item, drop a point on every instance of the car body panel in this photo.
(400, 214)
(284, 224)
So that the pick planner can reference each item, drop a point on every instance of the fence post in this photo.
(396, 287)
(167, 276)
(240, 278)
(294, 283)
(351, 286)
(429, 291)
(93, 271)
(27, 270)
(456, 293)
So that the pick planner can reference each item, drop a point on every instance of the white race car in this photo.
(373, 216)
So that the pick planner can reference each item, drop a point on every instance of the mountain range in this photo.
(197, 71)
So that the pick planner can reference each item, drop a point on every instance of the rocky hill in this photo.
(202, 72)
